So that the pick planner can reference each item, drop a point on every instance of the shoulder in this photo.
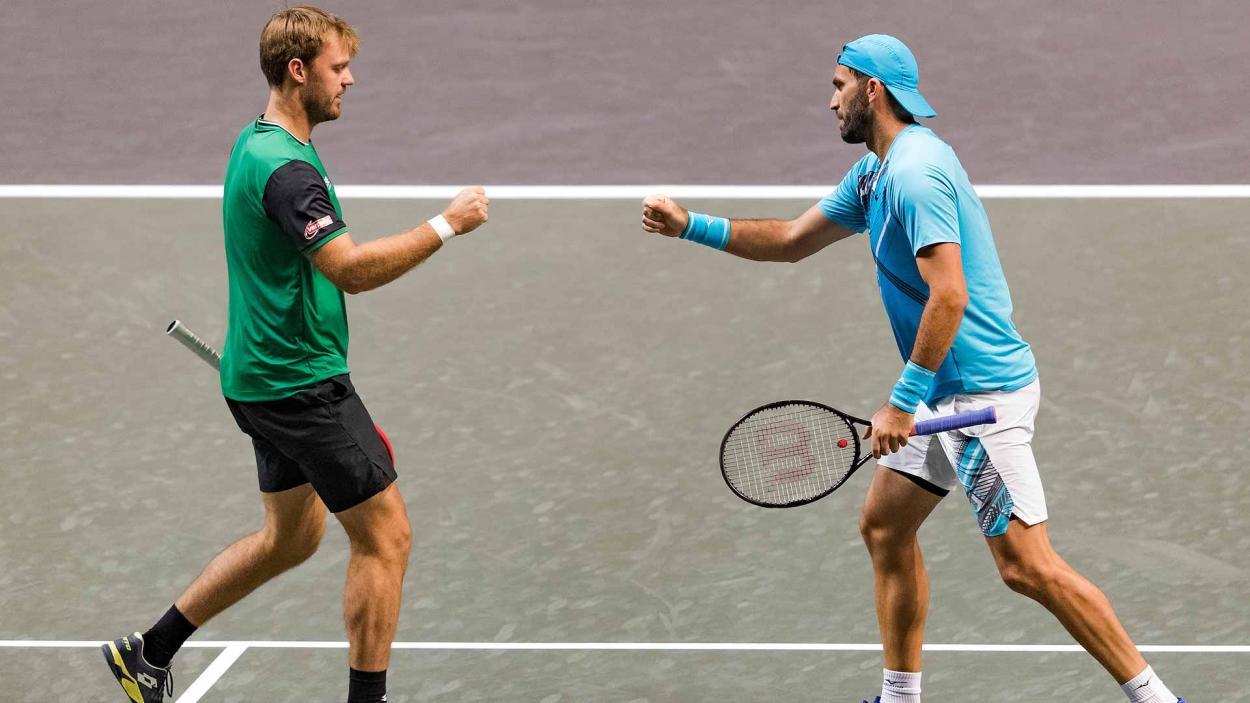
(268, 144)
(294, 180)
(923, 163)
(260, 155)
(917, 143)
(925, 151)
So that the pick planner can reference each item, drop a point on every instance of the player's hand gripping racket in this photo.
(793, 452)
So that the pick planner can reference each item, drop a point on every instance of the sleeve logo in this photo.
(312, 228)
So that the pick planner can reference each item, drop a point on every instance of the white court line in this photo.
(210, 675)
(643, 646)
(629, 192)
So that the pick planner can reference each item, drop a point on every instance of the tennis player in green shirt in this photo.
(284, 367)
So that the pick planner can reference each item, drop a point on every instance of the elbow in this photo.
(346, 283)
(351, 278)
(781, 256)
(354, 287)
(954, 300)
(792, 250)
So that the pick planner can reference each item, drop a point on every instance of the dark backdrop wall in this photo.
(636, 91)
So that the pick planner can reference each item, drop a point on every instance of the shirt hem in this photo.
(282, 392)
(1004, 388)
(322, 242)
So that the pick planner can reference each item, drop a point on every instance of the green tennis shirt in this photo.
(288, 324)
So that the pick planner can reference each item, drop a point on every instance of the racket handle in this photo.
(179, 331)
(984, 416)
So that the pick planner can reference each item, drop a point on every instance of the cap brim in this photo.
(913, 102)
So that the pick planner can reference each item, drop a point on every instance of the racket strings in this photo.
(789, 454)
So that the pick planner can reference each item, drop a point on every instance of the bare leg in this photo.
(1029, 565)
(893, 511)
(380, 542)
(294, 523)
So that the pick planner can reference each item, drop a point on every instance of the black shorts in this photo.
(322, 435)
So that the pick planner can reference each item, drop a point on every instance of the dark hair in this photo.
(900, 113)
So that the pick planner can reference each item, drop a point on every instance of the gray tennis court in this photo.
(557, 383)
(556, 396)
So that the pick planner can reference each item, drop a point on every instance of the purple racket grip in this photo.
(984, 416)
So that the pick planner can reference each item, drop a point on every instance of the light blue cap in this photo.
(890, 61)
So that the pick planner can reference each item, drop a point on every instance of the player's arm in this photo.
(758, 240)
(297, 200)
(926, 207)
(941, 267)
(355, 268)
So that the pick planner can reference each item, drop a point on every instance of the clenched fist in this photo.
(661, 215)
(889, 430)
(467, 211)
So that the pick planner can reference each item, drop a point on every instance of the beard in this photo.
(320, 108)
(857, 123)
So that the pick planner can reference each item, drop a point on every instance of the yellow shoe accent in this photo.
(129, 685)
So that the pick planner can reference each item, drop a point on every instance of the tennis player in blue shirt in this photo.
(950, 311)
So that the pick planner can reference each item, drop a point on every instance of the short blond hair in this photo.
(298, 33)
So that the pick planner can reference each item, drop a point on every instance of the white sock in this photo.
(1147, 687)
(902, 687)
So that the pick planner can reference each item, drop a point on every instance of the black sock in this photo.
(166, 636)
(366, 686)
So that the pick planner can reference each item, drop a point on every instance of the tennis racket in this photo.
(793, 452)
(179, 331)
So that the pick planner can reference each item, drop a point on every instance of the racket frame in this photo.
(851, 420)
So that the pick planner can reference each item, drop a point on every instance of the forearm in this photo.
(761, 240)
(378, 262)
(938, 325)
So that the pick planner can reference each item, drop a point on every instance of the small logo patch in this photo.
(147, 680)
(312, 228)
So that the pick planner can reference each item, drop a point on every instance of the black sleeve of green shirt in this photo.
(297, 200)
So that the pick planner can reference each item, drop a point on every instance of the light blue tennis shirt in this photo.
(918, 197)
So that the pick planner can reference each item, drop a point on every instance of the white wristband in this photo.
(440, 225)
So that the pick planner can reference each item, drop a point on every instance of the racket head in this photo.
(786, 454)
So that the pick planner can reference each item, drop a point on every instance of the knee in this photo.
(294, 547)
(403, 541)
(392, 542)
(397, 544)
(882, 536)
(1031, 580)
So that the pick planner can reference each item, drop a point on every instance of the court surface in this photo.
(556, 386)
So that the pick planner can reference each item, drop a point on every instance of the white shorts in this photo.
(993, 464)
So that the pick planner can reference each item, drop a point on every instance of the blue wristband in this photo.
(707, 230)
(912, 387)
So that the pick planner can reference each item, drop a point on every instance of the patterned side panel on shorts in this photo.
(988, 495)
